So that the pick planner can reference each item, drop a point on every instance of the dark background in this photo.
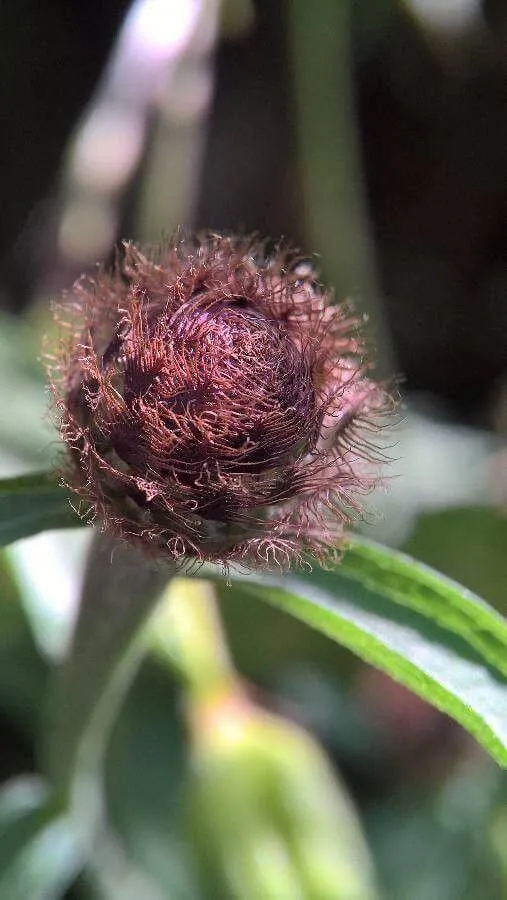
(433, 136)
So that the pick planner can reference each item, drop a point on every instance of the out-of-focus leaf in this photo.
(23, 674)
(48, 568)
(41, 849)
(469, 544)
(112, 874)
(147, 753)
(24, 427)
(438, 842)
(437, 465)
(20, 347)
(33, 503)
(425, 631)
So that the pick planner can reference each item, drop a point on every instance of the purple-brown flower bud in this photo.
(214, 403)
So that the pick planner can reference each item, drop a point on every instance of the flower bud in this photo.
(270, 819)
(214, 404)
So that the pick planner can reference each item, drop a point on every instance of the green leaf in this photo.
(416, 586)
(467, 543)
(23, 672)
(422, 629)
(148, 753)
(22, 388)
(33, 503)
(41, 847)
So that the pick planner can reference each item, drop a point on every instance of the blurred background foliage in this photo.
(374, 133)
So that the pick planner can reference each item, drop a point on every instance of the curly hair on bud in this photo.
(215, 404)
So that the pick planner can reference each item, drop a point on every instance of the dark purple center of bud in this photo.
(215, 390)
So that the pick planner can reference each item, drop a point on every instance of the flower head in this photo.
(215, 405)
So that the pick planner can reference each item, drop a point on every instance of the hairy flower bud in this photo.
(214, 403)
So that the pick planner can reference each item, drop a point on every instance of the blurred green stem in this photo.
(329, 154)
(188, 635)
(173, 159)
(120, 591)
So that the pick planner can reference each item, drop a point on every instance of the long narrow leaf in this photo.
(416, 586)
(33, 503)
(42, 848)
(422, 629)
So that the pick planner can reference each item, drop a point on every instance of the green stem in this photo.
(187, 634)
(173, 160)
(329, 155)
(120, 591)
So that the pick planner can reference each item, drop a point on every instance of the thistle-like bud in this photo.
(214, 404)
